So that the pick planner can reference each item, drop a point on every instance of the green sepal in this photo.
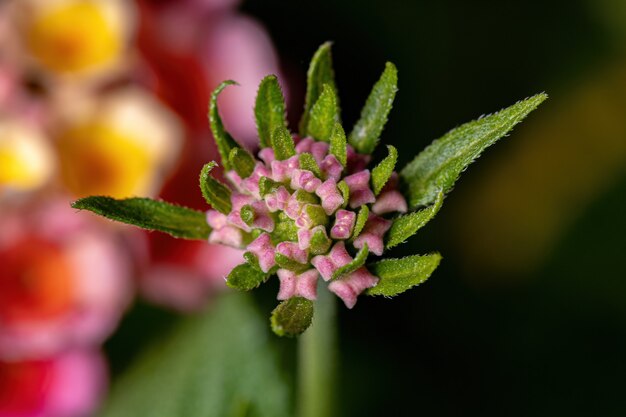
(267, 185)
(399, 275)
(149, 214)
(223, 139)
(324, 115)
(247, 214)
(440, 164)
(214, 192)
(305, 197)
(292, 317)
(320, 243)
(382, 172)
(366, 132)
(361, 219)
(317, 214)
(345, 192)
(241, 161)
(308, 162)
(269, 109)
(407, 225)
(282, 143)
(285, 229)
(356, 263)
(287, 263)
(320, 73)
(245, 277)
(338, 144)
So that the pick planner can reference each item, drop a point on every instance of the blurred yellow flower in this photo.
(123, 148)
(76, 36)
(26, 158)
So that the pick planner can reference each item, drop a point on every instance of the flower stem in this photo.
(317, 360)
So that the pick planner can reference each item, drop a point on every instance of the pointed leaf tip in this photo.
(320, 72)
(269, 109)
(245, 277)
(223, 139)
(440, 164)
(405, 226)
(324, 115)
(149, 214)
(338, 144)
(282, 143)
(292, 317)
(382, 172)
(366, 132)
(398, 275)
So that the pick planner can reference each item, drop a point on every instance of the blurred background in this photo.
(525, 316)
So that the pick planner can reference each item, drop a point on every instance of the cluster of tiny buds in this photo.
(300, 223)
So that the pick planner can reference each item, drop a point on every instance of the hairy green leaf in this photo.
(267, 185)
(405, 226)
(149, 214)
(356, 263)
(399, 275)
(241, 161)
(324, 115)
(285, 229)
(288, 263)
(320, 72)
(292, 317)
(345, 192)
(223, 139)
(308, 162)
(338, 144)
(366, 132)
(361, 218)
(440, 164)
(282, 143)
(269, 109)
(215, 193)
(211, 364)
(245, 277)
(382, 172)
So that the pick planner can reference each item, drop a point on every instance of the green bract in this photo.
(308, 207)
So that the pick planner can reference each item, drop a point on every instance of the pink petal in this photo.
(390, 201)
(372, 234)
(304, 145)
(293, 251)
(263, 249)
(267, 155)
(330, 196)
(360, 193)
(331, 167)
(305, 180)
(284, 170)
(328, 264)
(319, 151)
(349, 287)
(344, 224)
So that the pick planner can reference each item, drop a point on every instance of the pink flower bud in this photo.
(297, 285)
(284, 170)
(304, 145)
(305, 235)
(372, 234)
(292, 251)
(267, 155)
(360, 192)
(390, 201)
(331, 167)
(304, 180)
(349, 287)
(328, 264)
(319, 151)
(344, 224)
(357, 161)
(251, 184)
(330, 196)
(234, 179)
(277, 200)
(262, 218)
(263, 249)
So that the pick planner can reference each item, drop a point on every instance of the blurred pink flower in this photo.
(65, 280)
(67, 385)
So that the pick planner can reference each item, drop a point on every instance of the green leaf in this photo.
(366, 132)
(308, 162)
(399, 275)
(267, 185)
(338, 145)
(292, 317)
(245, 277)
(269, 109)
(212, 363)
(285, 230)
(247, 214)
(382, 172)
(320, 243)
(356, 263)
(223, 139)
(440, 164)
(361, 218)
(324, 115)
(320, 72)
(288, 263)
(149, 214)
(282, 143)
(405, 226)
(345, 192)
(241, 161)
(215, 193)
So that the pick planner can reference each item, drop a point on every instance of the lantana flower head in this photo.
(314, 209)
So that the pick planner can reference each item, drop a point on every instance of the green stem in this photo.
(317, 359)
